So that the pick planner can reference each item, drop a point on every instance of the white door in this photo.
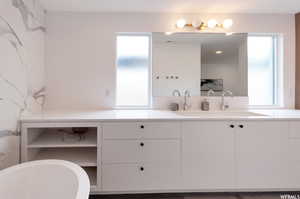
(261, 148)
(208, 155)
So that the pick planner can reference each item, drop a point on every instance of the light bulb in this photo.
(227, 23)
(196, 24)
(219, 52)
(181, 23)
(212, 23)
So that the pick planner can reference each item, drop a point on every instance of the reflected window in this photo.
(262, 70)
(133, 61)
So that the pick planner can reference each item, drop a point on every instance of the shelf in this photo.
(53, 139)
(85, 157)
(92, 173)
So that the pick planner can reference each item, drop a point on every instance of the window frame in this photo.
(149, 89)
(277, 72)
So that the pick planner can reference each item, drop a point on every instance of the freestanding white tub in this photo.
(45, 179)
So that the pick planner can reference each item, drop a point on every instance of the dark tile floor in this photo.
(293, 195)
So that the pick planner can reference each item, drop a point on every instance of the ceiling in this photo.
(175, 6)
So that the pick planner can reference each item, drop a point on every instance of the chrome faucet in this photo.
(210, 92)
(176, 92)
(186, 105)
(225, 106)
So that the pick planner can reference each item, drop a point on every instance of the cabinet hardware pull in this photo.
(241, 126)
(142, 126)
(142, 168)
(142, 144)
(232, 126)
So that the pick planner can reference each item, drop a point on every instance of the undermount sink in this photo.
(219, 114)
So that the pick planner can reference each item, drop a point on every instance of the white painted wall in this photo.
(21, 70)
(80, 51)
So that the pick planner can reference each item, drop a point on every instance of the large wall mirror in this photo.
(199, 62)
(247, 64)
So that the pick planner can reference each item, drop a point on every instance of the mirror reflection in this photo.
(203, 63)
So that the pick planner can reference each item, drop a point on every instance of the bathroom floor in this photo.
(203, 196)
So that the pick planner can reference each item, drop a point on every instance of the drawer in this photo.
(122, 130)
(138, 177)
(137, 130)
(133, 151)
(294, 130)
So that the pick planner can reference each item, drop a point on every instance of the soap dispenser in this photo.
(205, 105)
(205, 102)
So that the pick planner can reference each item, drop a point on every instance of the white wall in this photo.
(80, 51)
(21, 70)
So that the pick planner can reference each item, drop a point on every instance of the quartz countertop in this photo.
(158, 115)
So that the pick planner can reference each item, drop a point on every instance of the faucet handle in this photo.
(176, 92)
(187, 93)
(210, 92)
(229, 92)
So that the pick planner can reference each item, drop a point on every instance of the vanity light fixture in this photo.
(196, 24)
(219, 52)
(199, 25)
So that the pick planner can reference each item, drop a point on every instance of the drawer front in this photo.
(122, 131)
(147, 130)
(138, 177)
(133, 151)
(294, 129)
(119, 177)
(161, 130)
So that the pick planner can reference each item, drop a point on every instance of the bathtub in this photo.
(46, 179)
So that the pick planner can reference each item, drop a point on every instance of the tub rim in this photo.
(83, 179)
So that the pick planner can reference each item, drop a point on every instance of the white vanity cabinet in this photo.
(141, 156)
(237, 155)
(175, 156)
(261, 155)
(208, 155)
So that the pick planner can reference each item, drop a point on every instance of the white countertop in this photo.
(139, 115)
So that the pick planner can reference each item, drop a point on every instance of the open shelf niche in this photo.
(46, 142)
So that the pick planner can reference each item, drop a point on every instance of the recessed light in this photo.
(229, 33)
(219, 52)
(169, 33)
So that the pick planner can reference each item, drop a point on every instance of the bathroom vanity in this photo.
(160, 151)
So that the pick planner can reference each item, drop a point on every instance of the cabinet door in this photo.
(293, 154)
(261, 155)
(208, 155)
